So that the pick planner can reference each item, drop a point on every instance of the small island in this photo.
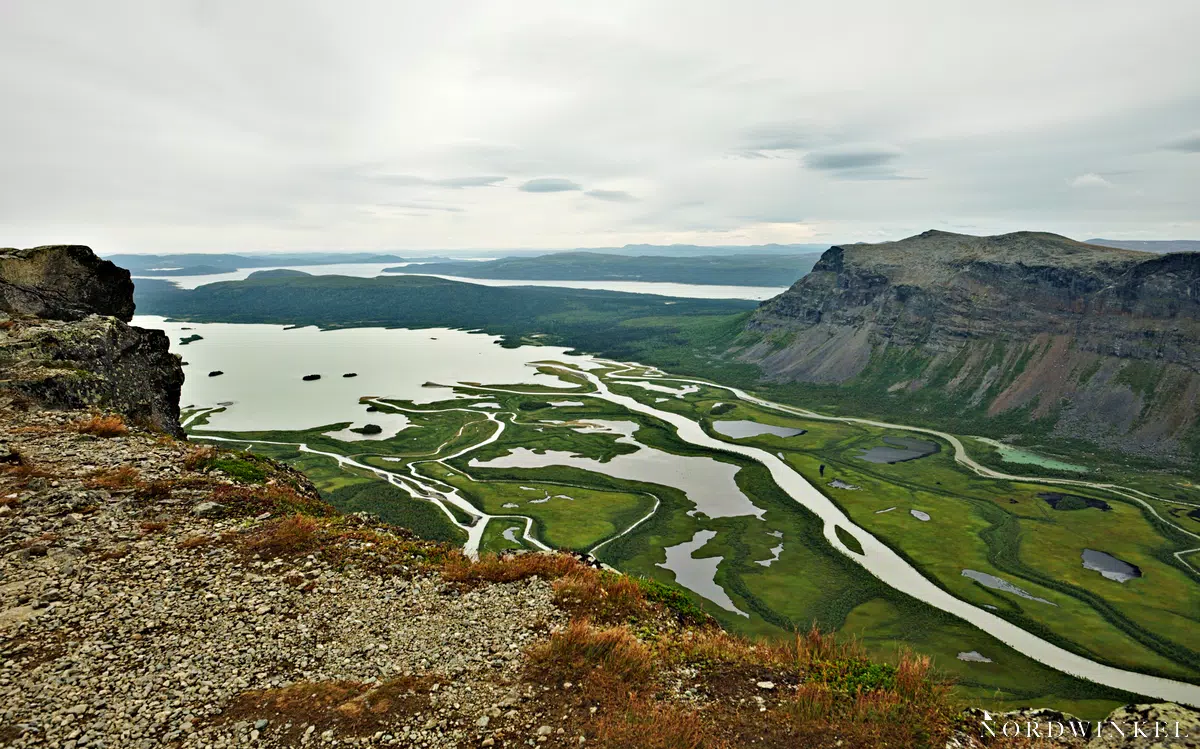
(350, 374)
(215, 373)
(367, 429)
(311, 377)
(189, 339)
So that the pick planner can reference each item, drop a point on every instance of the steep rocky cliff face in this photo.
(65, 344)
(63, 282)
(1080, 340)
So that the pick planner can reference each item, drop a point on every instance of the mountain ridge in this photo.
(1094, 342)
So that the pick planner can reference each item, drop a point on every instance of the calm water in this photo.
(371, 270)
(699, 574)
(999, 583)
(1010, 454)
(358, 270)
(739, 429)
(899, 449)
(707, 482)
(263, 366)
(1109, 566)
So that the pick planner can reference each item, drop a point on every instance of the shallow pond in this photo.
(1010, 454)
(899, 449)
(698, 575)
(999, 583)
(745, 428)
(708, 482)
(1109, 566)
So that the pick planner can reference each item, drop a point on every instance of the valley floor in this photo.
(521, 468)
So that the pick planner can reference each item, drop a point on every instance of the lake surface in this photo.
(740, 429)
(999, 583)
(707, 482)
(1109, 566)
(699, 575)
(358, 270)
(1010, 454)
(900, 449)
(371, 270)
(689, 290)
(263, 366)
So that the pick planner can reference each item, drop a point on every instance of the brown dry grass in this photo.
(275, 499)
(610, 659)
(107, 425)
(490, 568)
(199, 456)
(601, 596)
(646, 724)
(288, 537)
(152, 526)
(123, 477)
(195, 541)
(350, 708)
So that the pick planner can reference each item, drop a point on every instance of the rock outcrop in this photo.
(1085, 341)
(65, 342)
(63, 282)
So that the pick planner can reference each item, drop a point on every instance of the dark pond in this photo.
(900, 449)
(1109, 566)
(1073, 501)
(739, 429)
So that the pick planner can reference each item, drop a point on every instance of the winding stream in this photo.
(885, 564)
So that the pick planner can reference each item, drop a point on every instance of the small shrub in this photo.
(643, 724)
(198, 457)
(109, 425)
(721, 408)
(243, 470)
(195, 542)
(288, 537)
(603, 596)
(277, 500)
(124, 477)
(580, 651)
(153, 490)
(506, 569)
(533, 405)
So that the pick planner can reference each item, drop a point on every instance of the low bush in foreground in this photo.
(108, 425)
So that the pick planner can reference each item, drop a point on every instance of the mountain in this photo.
(1029, 330)
(727, 270)
(1157, 245)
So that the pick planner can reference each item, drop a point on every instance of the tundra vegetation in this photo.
(1001, 527)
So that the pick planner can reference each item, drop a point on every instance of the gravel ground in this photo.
(112, 635)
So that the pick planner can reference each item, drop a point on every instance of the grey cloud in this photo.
(615, 196)
(849, 158)
(454, 183)
(763, 141)
(550, 184)
(1187, 144)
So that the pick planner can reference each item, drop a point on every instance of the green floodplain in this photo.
(995, 526)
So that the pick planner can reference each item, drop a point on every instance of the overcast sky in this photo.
(229, 125)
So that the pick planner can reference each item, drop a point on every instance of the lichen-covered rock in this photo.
(63, 282)
(97, 362)
(1158, 726)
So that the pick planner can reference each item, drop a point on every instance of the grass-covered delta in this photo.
(570, 470)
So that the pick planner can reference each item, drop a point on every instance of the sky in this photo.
(225, 125)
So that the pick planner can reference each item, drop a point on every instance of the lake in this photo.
(371, 270)
(263, 366)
